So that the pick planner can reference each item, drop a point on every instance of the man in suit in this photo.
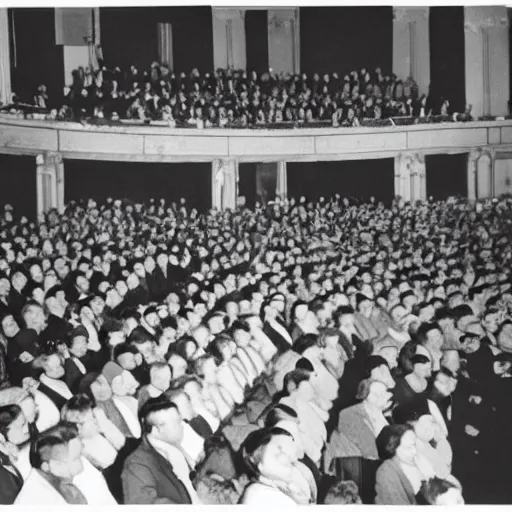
(360, 424)
(158, 471)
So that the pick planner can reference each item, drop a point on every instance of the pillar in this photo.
(411, 45)
(282, 180)
(49, 182)
(410, 176)
(224, 184)
(228, 38)
(487, 59)
(5, 58)
(284, 39)
(481, 173)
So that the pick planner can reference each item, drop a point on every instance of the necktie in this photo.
(113, 414)
(71, 493)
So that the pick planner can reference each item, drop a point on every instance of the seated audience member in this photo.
(11, 480)
(128, 358)
(273, 324)
(299, 396)
(81, 360)
(252, 361)
(60, 474)
(192, 387)
(215, 490)
(269, 456)
(359, 425)
(343, 493)
(324, 383)
(430, 440)
(214, 395)
(440, 393)
(334, 356)
(157, 472)
(414, 384)
(400, 476)
(50, 380)
(437, 491)
(160, 376)
(97, 387)
(261, 342)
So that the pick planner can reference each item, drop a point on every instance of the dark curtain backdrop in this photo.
(447, 175)
(447, 56)
(343, 39)
(348, 178)
(247, 183)
(256, 40)
(129, 36)
(139, 181)
(18, 184)
(35, 58)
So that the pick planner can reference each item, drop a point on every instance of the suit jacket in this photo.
(355, 424)
(93, 361)
(10, 483)
(281, 344)
(392, 487)
(148, 478)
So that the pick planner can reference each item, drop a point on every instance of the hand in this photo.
(475, 399)
(471, 431)
(63, 351)
(29, 383)
(25, 357)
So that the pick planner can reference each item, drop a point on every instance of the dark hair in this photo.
(278, 413)
(295, 377)
(252, 446)
(304, 364)
(419, 359)
(405, 355)
(344, 492)
(123, 348)
(372, 362)
(180, 347)
(435, 487)
(60, 435)
(423, 330)
(304, 342)
(389, 440)
(411, 411)
(296, 304)
(79, 403)
(8, 414)
(327, 332)
(150, 407)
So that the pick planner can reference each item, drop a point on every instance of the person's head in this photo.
(161, 419)
(298, 382)
(33, 316)
(307, 346)
(470, 343)
(9, 326)
(269, 453)
(416, 413)
(79, 411)
(182, 401)
(160, 376)
(374, 393)
(421, 366)
(430, 335)
(58, 452)
(96, 386)
(377, 369)
(445, 381)
(344, 492)
(14, 426)
(77, 341)
(438, 491)
(126, 356)
(345, 318)
(397, 441)
(52, 365)
(504, 336)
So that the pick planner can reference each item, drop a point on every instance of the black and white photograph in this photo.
(255, 254)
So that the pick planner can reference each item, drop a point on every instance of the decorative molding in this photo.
(408, 14)
(225, 13)
(489, 22)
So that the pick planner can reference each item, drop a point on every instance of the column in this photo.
(282, 180)
(471, 174)
(224, 184)
(410, 176)
(403, 177)
(284, 40)
(411, 45)
(228, 38)
(5, 58)
(49, 182)
(487, 59)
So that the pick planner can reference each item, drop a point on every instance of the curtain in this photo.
(18, 184)
(447, 56)
(344, 39)
(165, 55)
(256, 40)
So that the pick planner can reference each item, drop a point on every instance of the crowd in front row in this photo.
(300, 353)
(239, 99)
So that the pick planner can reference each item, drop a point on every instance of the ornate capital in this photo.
(475, 25)
(281, 18)
(409, 14)
(227, 13)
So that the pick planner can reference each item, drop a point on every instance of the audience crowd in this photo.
(238, 99)
(301, 353)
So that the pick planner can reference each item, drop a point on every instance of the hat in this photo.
(79, 330)
(110, 371)
(12, 396)
(87, 380)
